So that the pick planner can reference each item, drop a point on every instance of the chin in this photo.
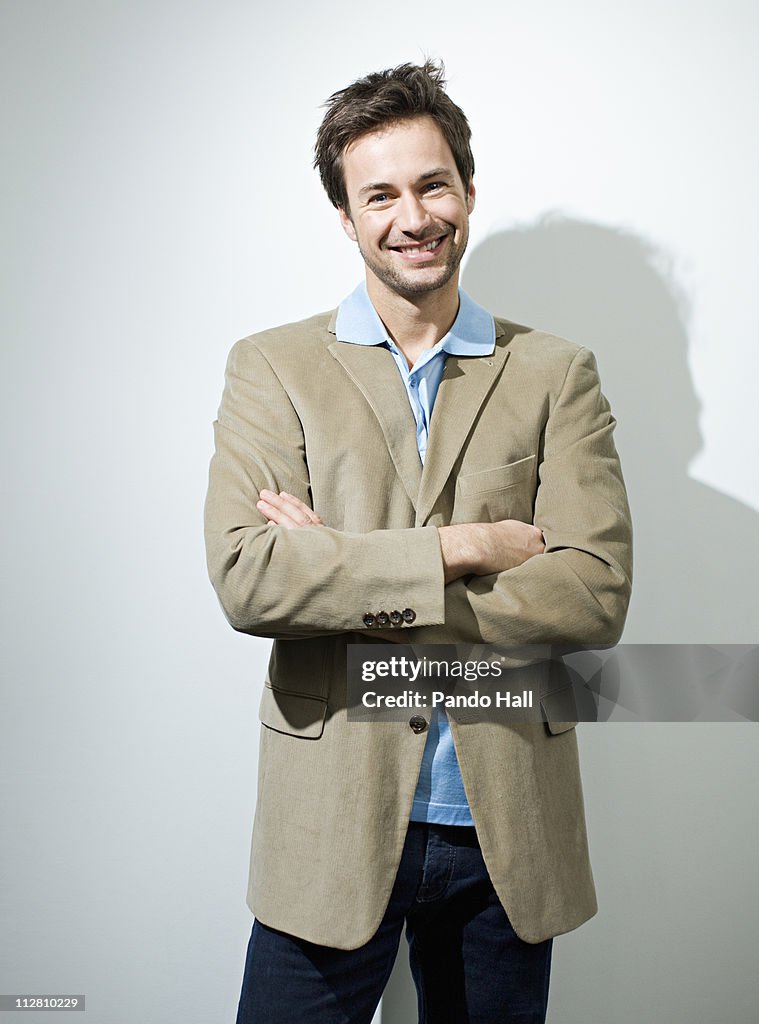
(424, 287)
(429, 282)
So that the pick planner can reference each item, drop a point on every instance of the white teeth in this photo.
(410, 250)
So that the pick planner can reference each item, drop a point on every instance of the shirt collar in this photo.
(472, 333)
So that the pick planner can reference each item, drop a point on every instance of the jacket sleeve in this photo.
(282, 583)
(577, 592)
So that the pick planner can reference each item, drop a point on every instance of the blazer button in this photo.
(417, 723)
(408, 614)
(396, 618)
(382, 618)
(369, 620)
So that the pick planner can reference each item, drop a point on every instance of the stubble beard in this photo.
(405, 284)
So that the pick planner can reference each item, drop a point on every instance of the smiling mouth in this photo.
(420, 250)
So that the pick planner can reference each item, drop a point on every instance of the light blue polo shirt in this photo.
(440, 796)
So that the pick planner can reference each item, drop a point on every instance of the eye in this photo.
(381, 197)
(434, 186)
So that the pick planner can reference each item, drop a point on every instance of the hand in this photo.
(468, 548)
(286, 510)
(484, 548)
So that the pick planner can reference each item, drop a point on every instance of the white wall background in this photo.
(159, 204)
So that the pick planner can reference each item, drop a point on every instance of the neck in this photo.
(415, 323)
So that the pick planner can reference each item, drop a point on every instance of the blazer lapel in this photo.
(466, 383)
(372, 369)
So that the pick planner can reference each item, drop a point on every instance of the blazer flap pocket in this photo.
(496, 479)
(560, 710)
(558, 727)
(295, 714)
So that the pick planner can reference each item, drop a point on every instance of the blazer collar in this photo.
(466, 383)
(372, 369)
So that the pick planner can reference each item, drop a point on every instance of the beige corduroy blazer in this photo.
(525, 434)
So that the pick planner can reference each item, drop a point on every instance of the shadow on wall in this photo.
(696, 556)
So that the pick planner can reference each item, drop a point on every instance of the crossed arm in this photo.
(469, 583)
(467, 549)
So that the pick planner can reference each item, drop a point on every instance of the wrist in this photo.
(459, 549)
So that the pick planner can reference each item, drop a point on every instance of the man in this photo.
(409, 468)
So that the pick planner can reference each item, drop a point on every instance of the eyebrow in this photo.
(383, 186)
(439, 172)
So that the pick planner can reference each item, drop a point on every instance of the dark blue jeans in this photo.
(468, 964)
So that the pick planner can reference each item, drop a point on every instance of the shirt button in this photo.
(417, 723)
(408, 614)
(382, 618)
(369, 620)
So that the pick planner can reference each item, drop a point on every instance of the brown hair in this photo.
(380, 99)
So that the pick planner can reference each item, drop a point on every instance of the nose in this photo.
(412, 216)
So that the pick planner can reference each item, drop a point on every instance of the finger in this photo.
(299, 508)
(275, 515)
(295, 510)
(287, 510)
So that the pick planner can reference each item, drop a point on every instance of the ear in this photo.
(347, 224)
(470, 194)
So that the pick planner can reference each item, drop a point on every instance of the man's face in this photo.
(408, 207)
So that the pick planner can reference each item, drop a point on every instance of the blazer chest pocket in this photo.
(503, 492)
